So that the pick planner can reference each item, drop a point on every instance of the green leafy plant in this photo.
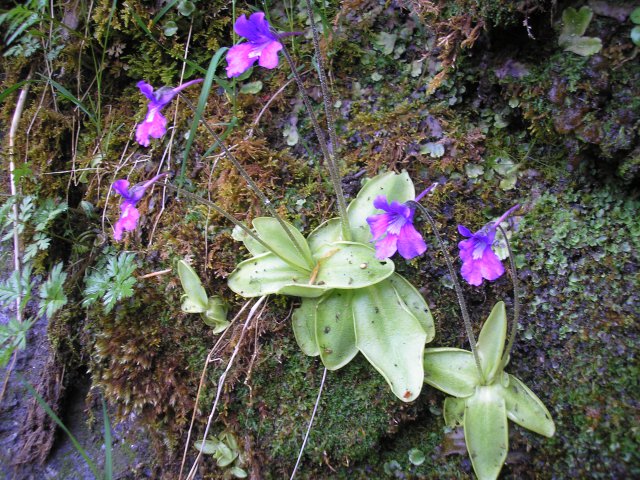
(345, 290)
(226, 452)
(112, 281)
(13, 336)
(52, 293)
(572, 39)
(33, 223)
(485, 397)
(19, 38)
(195, 299)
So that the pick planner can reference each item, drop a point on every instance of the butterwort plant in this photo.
(479, 259)
(154, 124)
(262, 45)
(393, 230)
(129, 214)
(484, 397)
(351, 301)
(345, 290)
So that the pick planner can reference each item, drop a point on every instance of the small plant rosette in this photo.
(351, 301)
(483, 403)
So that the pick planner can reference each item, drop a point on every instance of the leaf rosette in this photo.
(484, 400)
(351, 301)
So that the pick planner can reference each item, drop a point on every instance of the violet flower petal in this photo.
(128, 220)
(239, 59)
(464, 231)
(394, 231)
(386, 247)
(479, 261)
(256, 29)
(122, 187)
(154, 124)
(129, 215)
(378, 224)
(269, 55)
(263, 45)
(146, 89)
(489, 267)
(410, 242)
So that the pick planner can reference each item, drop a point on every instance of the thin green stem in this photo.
(327, 100)
(245, 175)
(454, 278)
(516, 304)
(328, 158)
(326, 93)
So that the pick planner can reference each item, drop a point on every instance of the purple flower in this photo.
(394, 231)
(129, 214)
(155, 124)
(479, 261)
(262, 45)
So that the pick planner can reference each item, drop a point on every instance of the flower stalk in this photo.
(516, 303)
(327, 155)
(461, 301)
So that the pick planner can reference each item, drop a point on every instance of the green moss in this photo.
(356, 411)
(582, 302)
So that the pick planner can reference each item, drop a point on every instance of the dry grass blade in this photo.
(221, 380)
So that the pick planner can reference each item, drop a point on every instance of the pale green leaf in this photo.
(584, 46)
(186, 8)
(486, 431)
(451, 370)
(509, 182)
(265, 274)
(250, 243)
(434, 149)
(238, 472)
(391, 338)
(473, 171)
(351, 265)
(635, 35)
(415, 302)
(635, 16)
(491, 340)
(224, 455)
(290, 134)
(335, 334)
(274, 235)
(416, 456)
(216, 314)
(189, 306)
(325, 234)
(170, 28)
(385, 42)
(346, 266)
(398, 187)
(192, 285)
(453, 411)
(251, 88)
(575, 22)
(303, 322)
(216, 309)
(526, 409)
(208, 447)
